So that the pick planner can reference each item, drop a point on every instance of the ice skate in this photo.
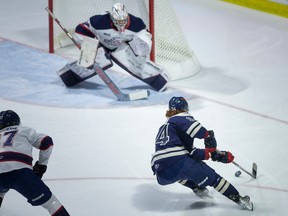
(245, 203)
(202, 192)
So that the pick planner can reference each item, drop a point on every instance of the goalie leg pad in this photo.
(141, 68)
(70, 78)
(73, 74)
(158, 82)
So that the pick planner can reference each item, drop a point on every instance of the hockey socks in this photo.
(228, 190)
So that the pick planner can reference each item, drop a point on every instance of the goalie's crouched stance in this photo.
(73, 73)
(123, 39)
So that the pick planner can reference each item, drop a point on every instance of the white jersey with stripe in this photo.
(16, 146)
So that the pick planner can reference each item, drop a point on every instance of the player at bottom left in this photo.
(16, 169)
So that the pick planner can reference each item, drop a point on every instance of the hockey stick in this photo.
(106, 79)
(254, 169)
(62, 27)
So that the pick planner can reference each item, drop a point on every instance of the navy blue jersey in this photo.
(175, 140)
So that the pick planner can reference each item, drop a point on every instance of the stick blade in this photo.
(254, 170)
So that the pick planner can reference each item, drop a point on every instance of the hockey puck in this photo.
(238, 173)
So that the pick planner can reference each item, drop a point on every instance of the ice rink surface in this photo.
(101, 161)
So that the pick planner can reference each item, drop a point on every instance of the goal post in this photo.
(170, 49)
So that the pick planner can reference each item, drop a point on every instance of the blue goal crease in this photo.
(29, 76)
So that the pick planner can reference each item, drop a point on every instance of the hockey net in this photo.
(170, 48)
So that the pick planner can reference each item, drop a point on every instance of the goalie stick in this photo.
(254, 169)
(106, 79)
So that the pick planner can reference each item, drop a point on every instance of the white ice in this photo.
(101, 160)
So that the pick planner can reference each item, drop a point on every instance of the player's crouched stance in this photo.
(16, 171)
(177, 160)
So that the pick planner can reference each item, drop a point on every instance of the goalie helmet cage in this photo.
(170, 50)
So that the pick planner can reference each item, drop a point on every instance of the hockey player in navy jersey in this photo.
(124, 40)
(16, 170)
(177, 160)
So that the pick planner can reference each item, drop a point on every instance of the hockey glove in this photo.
(39, 170)
(210, 141)
(222, 156)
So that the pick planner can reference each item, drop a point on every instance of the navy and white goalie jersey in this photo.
(102, 27)
(16, 144)
(175, 140)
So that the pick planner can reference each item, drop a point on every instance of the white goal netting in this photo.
(171, 49)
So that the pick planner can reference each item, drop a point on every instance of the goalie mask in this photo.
(119, 16)
(8, 118)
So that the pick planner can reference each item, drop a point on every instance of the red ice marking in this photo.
(242, 109)
(97, 178)
(268, 188)
(147, 179)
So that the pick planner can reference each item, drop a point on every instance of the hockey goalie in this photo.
(124, 40)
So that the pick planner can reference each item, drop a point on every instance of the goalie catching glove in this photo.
(139, 47)
(140, 43)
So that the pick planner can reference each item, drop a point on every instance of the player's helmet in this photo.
(178, 103)
(119, 16)
(8, 118)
